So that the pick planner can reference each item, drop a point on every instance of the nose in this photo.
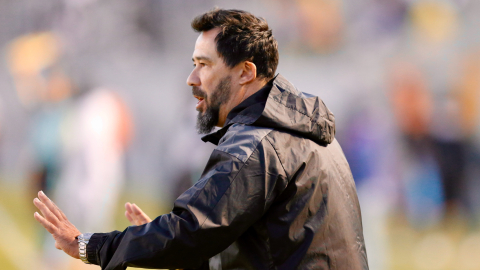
(193, 79)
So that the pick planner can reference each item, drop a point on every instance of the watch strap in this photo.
(83, 240)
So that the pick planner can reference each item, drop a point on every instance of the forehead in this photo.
(205, 46)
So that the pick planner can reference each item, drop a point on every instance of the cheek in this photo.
(210, 76)
(208, 87)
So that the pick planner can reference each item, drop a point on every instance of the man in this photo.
(276, 193)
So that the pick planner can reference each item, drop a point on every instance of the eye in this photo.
(201, 64)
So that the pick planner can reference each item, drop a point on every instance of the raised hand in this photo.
(56, 223)
(135, 215)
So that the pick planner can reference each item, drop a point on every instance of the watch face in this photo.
(85, 236)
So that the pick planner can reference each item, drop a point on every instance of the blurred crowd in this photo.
(94, 105)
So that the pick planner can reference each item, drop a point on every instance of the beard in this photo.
(208, 119)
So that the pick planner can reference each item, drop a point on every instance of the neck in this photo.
(243, 93)
(252, 88)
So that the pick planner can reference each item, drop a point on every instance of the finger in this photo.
(131, 214)
(137, 211)
(47, 214)
(51, 205)
(137, 216)
(135, 220)
(140, 214)
(129, 218)
(47, 225)
(128, 207)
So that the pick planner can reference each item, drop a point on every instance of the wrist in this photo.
(75, 251)
(83, 240)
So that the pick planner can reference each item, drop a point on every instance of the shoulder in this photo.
(241, 140)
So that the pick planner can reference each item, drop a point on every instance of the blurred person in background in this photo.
(321, 24)
(44, 90)
(465, 100)
(79, 135)
(277, 190)
(421, 177)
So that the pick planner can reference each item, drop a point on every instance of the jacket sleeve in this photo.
(231, 195)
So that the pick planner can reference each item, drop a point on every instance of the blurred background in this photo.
(95, 111)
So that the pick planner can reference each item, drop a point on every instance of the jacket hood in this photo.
(287, 109)
(305, 114)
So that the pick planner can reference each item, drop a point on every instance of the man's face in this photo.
(209, 118)
(211, 82)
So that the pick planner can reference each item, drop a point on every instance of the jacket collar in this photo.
(281, 106)
(247, 112)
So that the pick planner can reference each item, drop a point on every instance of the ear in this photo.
(248, 72)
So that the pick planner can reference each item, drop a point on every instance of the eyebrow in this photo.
(198, 58)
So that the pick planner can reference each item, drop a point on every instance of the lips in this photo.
(200, 95)
(200, 102)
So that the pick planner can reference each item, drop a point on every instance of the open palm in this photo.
(56, 223)
(135, 215)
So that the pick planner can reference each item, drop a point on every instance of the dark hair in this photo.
(242, 37)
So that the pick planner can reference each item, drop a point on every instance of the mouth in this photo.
(200, 102)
